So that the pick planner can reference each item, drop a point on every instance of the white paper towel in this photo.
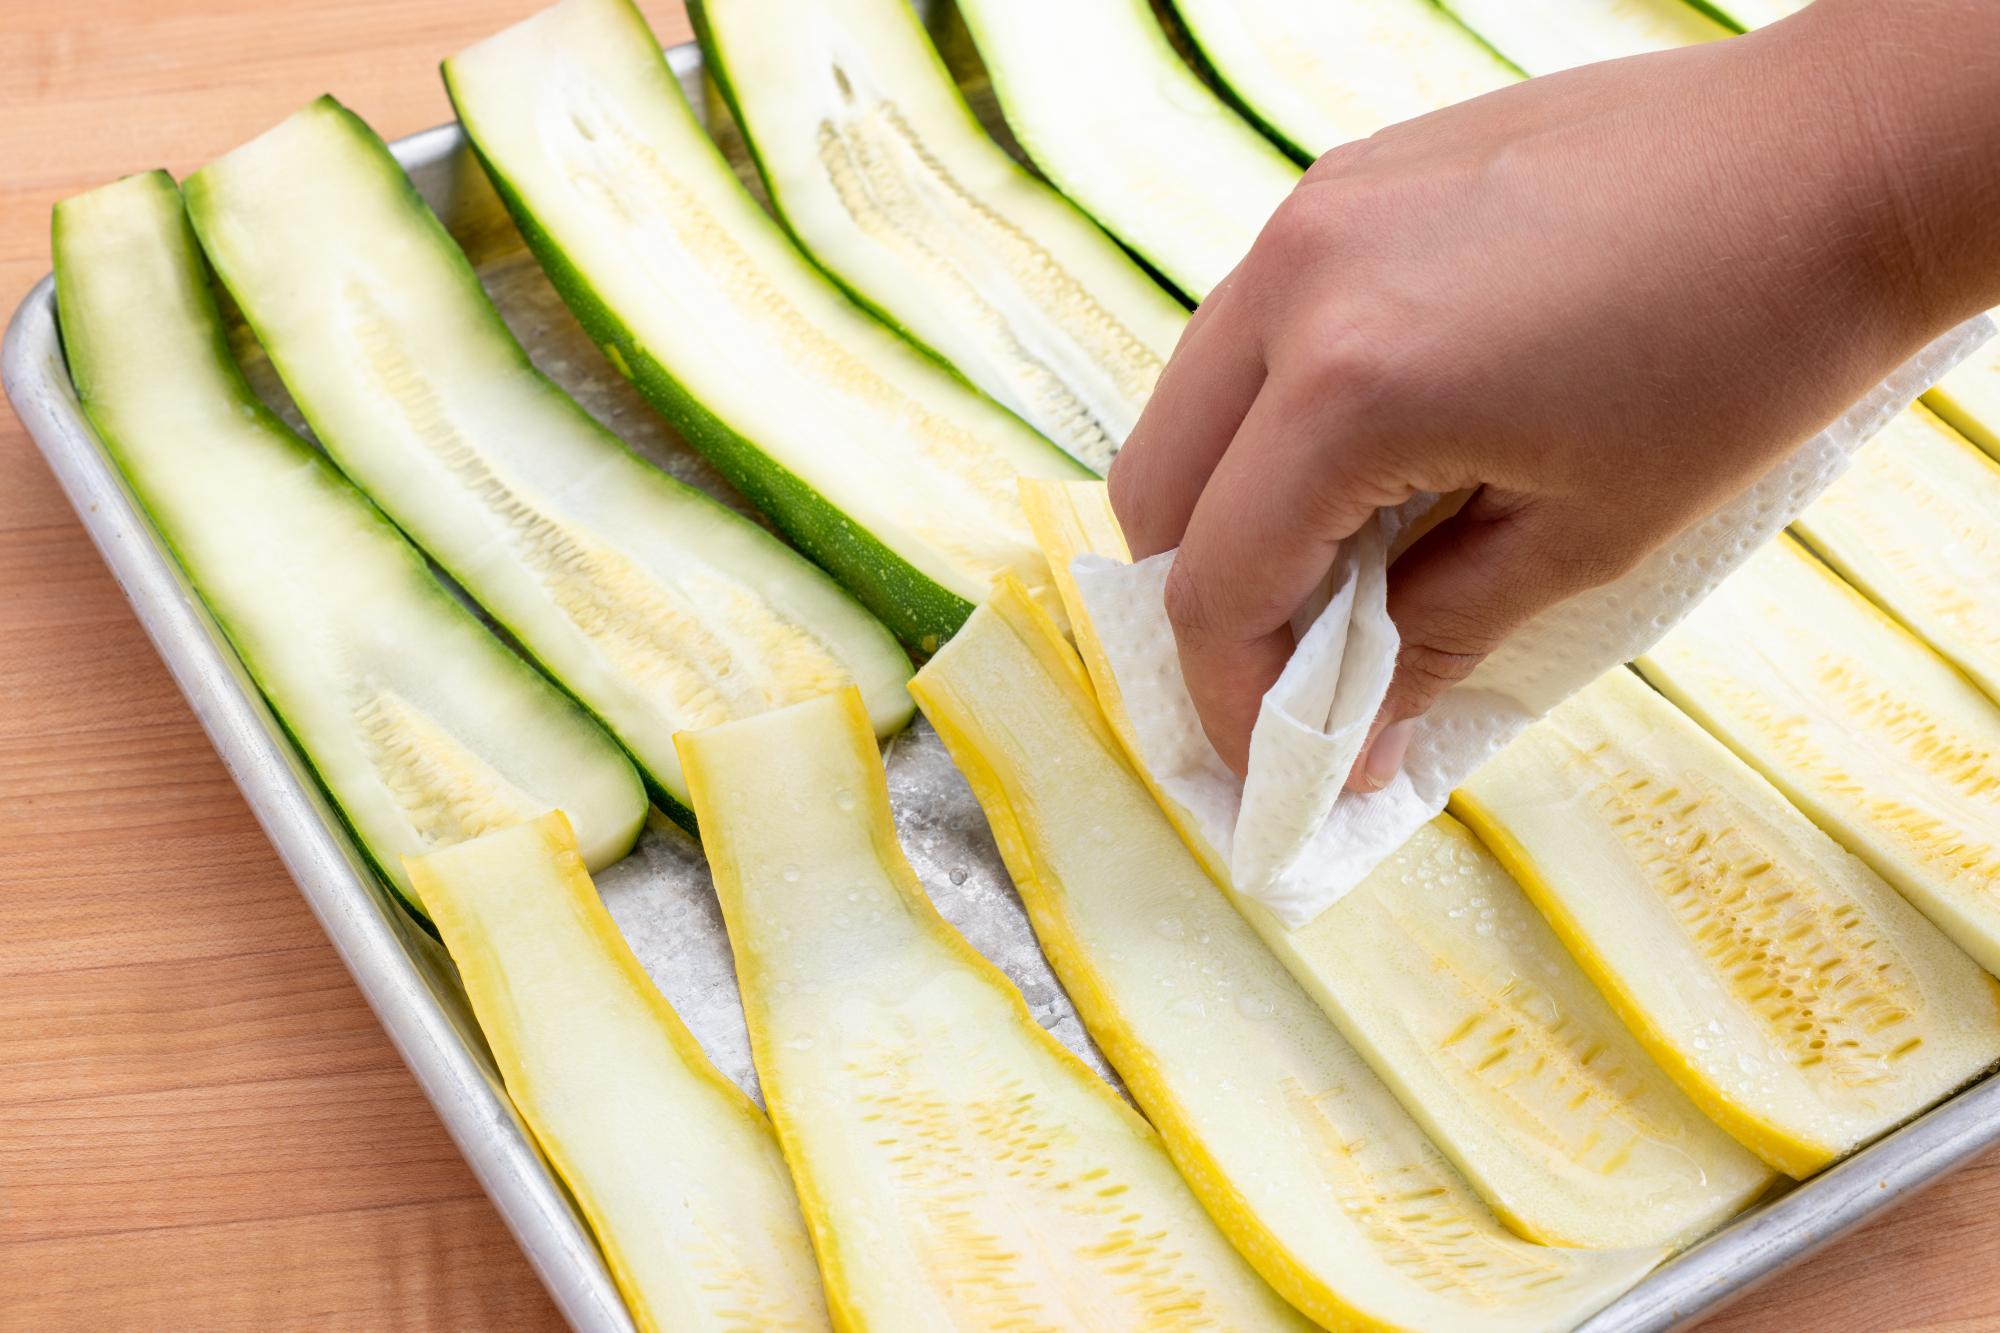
(1291, 838)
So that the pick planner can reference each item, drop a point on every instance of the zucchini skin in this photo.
(919, 611)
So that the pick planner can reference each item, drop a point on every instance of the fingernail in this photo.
(1385, 755)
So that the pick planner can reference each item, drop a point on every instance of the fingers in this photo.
(1463, 588)
(1203, 394)
(1262, 535)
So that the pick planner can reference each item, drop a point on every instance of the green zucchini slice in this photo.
(1915, 524)
(879, 463)
(1795, 996)
(1321, 74)
(1543, 36)
(1097, 96)
(878, 167)
(674, 1167)
(1864, 728)
(653, 604)
(1301, 1155)
(958, 1167)
(421, 726)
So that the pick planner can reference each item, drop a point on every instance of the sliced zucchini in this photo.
(1301, 1155)
(420, 725)
(1915, 524)
(1100, 100)
(656, 606)
(1439, 971)
(876, 461)
(958, 1167)
(1543, 36)
(1796, 998)
(1969, 397)
(878, 167)
(1317, 75)
(1867, 730)
(675, 1169)
(1749, 14)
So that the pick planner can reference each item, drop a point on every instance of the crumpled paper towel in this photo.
(1293, 840)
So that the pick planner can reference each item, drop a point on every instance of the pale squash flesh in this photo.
(957, 1167)
(1969, 398)
(1915, 524)
(675, 1169)
(1440, 972)
(1865, 729)
(1301, 1155)
(1544, 36)
(1797, 999)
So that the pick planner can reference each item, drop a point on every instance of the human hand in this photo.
(1600, 303)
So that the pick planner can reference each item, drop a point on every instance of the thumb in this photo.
(1464, 587)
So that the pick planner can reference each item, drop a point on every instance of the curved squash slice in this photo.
(655, 605)
(879, 168)
(958, 1167)
(1440, 972)
(879, 463)
(674, 1168)
(1302, 1157)
(1316, 75)
(1867, 730)
(1749, 14)
(1543, 36)
(1915, 524)
(423, 728)
(1795, 997)
(1969, 397)
(1097, 96)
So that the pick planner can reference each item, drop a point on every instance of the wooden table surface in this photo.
(201, 1125)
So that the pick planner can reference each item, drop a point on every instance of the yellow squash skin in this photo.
(1442, 975)
(675, 1169)
(1796, 998)
(1303, 1158)
(957, 1167)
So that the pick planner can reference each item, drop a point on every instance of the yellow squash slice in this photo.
(1301, 1155)
(958, 1168)
(1798, 1000)
(673, 1166)
(1439, 970)
(1915, 524)
(1867, 730)
(1969, 397)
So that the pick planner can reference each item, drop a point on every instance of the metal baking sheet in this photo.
(660, 895)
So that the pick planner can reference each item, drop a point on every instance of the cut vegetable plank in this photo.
(1322, 74)
(875, 460)
(656, 606)
(1097, 96)
(420, 725)
(1440, 972)
(1797, 999)
(1544, 36)
(878, 166)
(675, 1169)
(1868, 731)
(958, 1167)
(1915, 524)
(1969, 397)
(1748, 14)
(1302, 1157)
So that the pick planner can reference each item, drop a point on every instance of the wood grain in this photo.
(201, 1125)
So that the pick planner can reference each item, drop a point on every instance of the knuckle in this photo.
(1425, 671)
(1188, 606)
